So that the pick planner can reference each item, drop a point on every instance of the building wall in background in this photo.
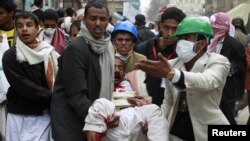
(190, 7)
(26, 4)
(212, 6)
(113, 5)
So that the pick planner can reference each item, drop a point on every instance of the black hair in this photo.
(8, 5)
(140, 20)
(77, 24)
(26, 15)
(39, 14)
(97, 4)
(173, 13)
(38, 2)
(201, 37)
(51, 15)
(70, 12)
(239, 23)
(61, 12)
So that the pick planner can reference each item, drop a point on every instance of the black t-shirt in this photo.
(150, 49)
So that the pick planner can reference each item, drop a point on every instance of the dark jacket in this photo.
(77, 85)
(235, 53)
(153, 84)
(144, 34)
(28, 93)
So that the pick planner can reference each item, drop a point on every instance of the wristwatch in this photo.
(170, 75)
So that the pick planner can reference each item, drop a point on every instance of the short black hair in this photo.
(173, 13)
(50, 14)
(239, 23)
(8, 5)
(39, 14)
(97, 4)
(38, 2)
(140, 19)
(26, 15)
(70, 11)
(61, 12)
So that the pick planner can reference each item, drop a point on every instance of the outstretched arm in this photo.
(159, 68)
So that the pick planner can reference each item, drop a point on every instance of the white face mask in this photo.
(185, 50)
(49, 31)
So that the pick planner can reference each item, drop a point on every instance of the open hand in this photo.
(159, 68)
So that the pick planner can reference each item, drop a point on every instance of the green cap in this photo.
(193, 25)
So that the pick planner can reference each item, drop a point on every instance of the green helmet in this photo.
(193, 25)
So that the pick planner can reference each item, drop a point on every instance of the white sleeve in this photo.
(177, 76)
(100, 110)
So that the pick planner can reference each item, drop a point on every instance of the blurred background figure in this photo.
(70, 17)
(241, 36)
(110, 26)
(7, 15)
(80, 14)
(51, 33)
(240, 30)
(75, 27)
(143, 32)
(151, 25)
(38, 4)
(61, 15)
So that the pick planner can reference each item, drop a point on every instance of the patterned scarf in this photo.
(221, 25)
